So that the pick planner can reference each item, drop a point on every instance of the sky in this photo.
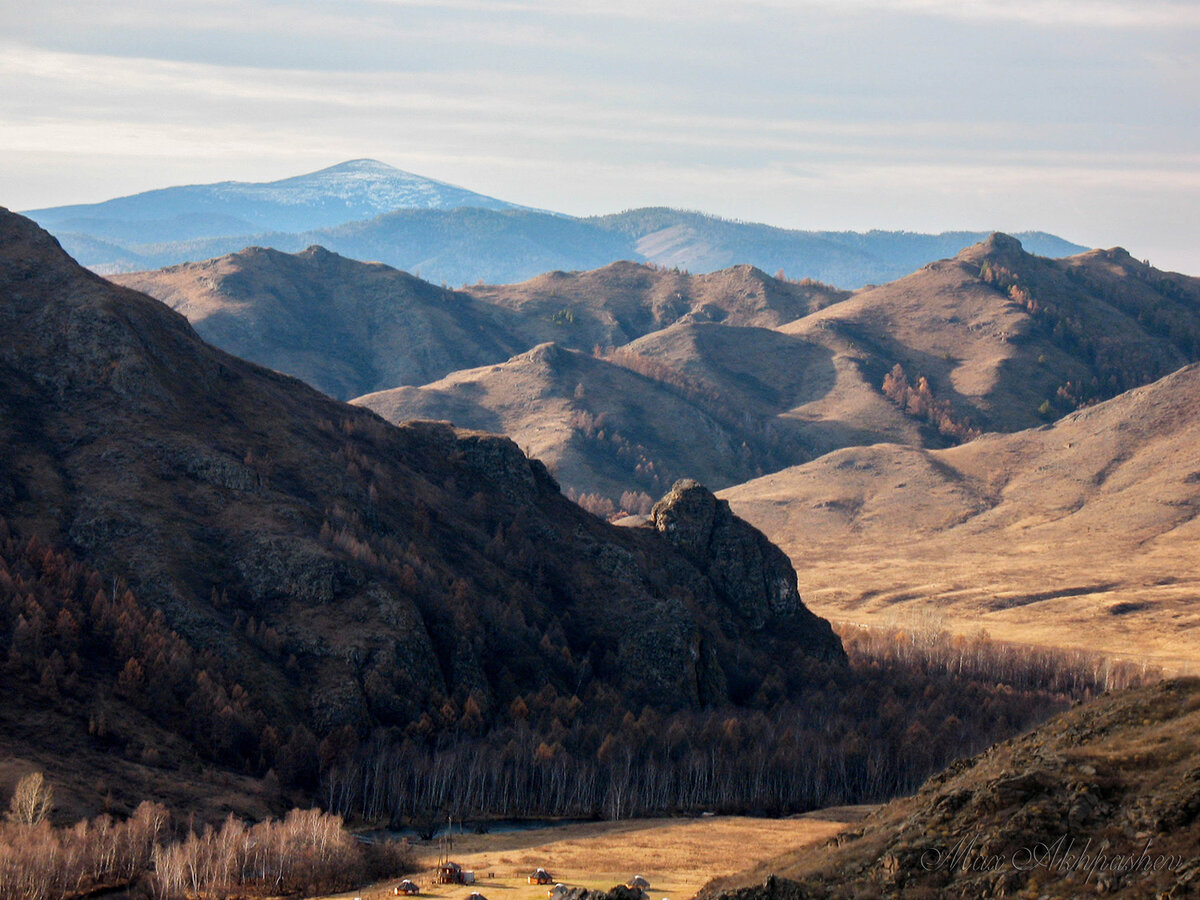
(1078, 117)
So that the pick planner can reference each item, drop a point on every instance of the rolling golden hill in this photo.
(1080, 533)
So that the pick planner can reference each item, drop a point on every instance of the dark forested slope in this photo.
(332, 571)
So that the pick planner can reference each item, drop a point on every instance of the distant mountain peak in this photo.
(360, 165)
(363, 169)
(349, 191)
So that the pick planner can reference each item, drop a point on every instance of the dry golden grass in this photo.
(677, 856)
(1082, 535)
(959, 589)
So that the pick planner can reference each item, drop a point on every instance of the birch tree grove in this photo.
(912, 702)
(307, 852)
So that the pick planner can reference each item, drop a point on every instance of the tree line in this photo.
(917, 399)
(912, 702)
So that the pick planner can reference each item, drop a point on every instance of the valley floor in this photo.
(677, 856)
(1139, 608)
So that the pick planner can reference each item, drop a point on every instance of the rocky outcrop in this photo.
(752, 576)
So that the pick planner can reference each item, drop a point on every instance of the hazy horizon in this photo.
(1076, 118)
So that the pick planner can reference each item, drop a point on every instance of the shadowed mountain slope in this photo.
(344, 327)
(1080, 532)
(350, 328)
(335, 575)
(1102, 799)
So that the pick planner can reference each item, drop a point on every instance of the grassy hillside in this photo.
(345, 327)
(1077, 533)
(997, 339)
(601, 428)
(621, 302)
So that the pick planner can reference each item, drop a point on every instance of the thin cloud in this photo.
(1106, 14)
(1087, 13)
(125, 96)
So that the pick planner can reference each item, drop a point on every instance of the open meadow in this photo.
(677, 856)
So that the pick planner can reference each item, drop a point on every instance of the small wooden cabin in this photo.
(450, 873)
(407, 887)
(540, 876)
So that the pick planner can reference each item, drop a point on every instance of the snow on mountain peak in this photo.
(368, 185)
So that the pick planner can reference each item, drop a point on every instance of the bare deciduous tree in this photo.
(32, 800)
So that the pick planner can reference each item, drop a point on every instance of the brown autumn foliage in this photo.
(631, 503)
(596, 504)
(31, 801)
(63, 629)
(307, 852)
(918, 401)
(978, 657)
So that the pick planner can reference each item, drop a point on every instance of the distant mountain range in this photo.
(627, 377)
(358, 189)
(368, 210)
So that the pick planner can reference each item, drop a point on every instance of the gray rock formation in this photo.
(752, 576)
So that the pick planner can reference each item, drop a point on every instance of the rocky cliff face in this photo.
(753, 577)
